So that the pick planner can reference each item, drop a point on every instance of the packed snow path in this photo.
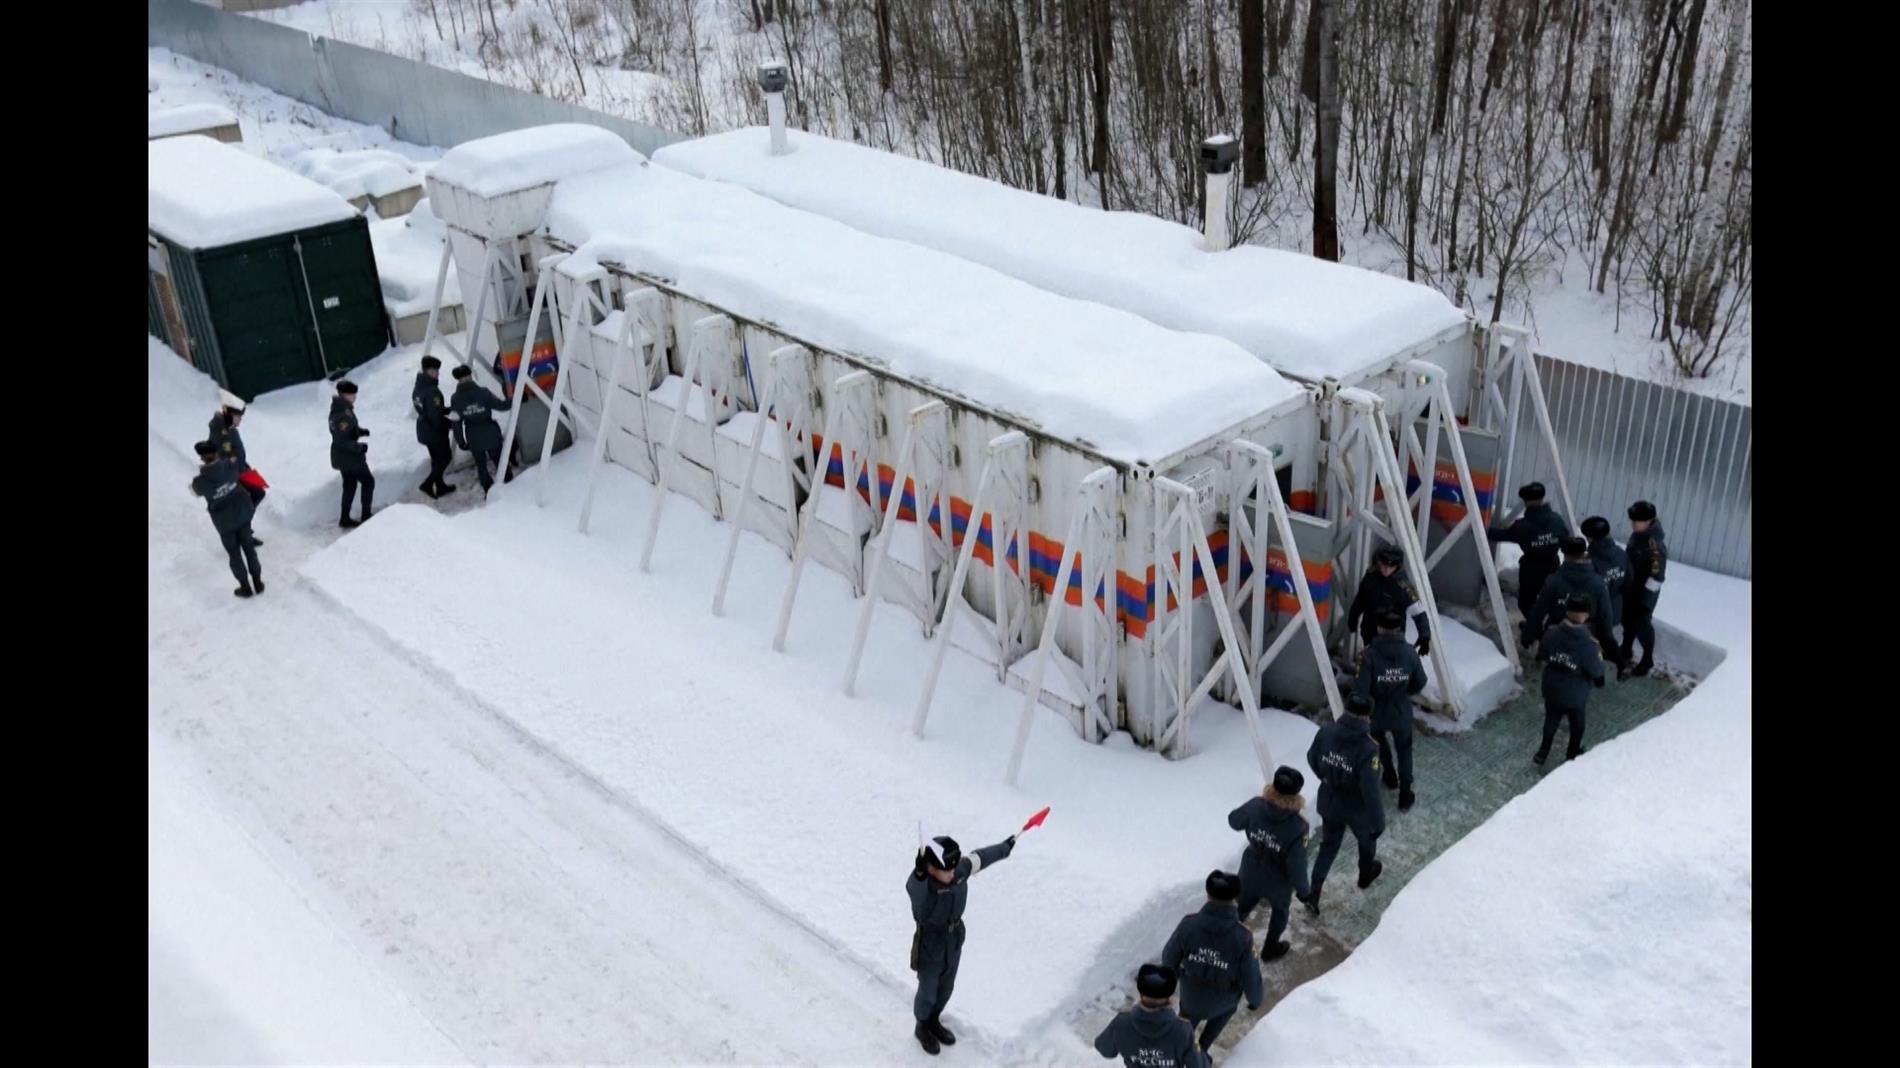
(1461, 779)
(523, 911)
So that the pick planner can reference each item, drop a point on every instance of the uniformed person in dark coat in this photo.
(1572, 665)
(224, 434)
(1346, 760)
(939, 887)
(1273, 866)
(478, 431)
(1537, 532)
(231, 512)
(432, 425)
(1212, 953)
(1611, 562)
(349, 454)
(1577, 576)
(1150, 1035)
(1389, 676)
(1649, 559)
(1385, 588)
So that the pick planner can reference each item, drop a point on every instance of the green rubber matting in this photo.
(1460, 779)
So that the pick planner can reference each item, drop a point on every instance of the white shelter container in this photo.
(1333, 326)
(893, 371)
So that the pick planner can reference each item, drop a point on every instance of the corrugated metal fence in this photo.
(1624, 439)
(415, 102)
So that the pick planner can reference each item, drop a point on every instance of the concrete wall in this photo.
(413, 101)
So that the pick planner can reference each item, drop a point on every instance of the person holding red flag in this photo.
(939, 888)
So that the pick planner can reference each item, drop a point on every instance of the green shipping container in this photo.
(271, 312)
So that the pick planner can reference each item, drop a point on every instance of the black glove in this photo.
(923, 866)
(1424, 645)
(1012, 841)
(1599, 682)
(361, 433)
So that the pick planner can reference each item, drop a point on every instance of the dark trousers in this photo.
(485, 461)
(241, 547)
(1276, 918)
(439, 456)
(1530, 582)
(1332, 834)
(1555, 714)
(936, 980)
(353, 479)
(1213, 1029)
(1402, 741)
(1639, 626)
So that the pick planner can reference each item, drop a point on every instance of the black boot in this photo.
(1577, 752)
(1366, 880)
(1540, 756)
(1273, 951)
(347, 523)
(257, 583)
(927, 1038)
(943, 1033)
(1643, 668)
(242, 591)
(1406, 799)
(444, 487)
(1311, 901)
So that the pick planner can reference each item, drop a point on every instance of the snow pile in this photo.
(287, 433)
(1479, 667)
(1120, 385)
(353, 173)
(809, 798)
(1602, 918)
(1304, 316)
(239, 969)
(408, 252)
(204, 194)
(523, 159)
(192, 118)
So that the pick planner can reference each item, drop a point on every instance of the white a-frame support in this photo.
(848, 431)
(786, 405)
(642, 336)
(1508, 359)
(1170, 639)
(500, 264)
(929, 421)
(1096, 524)
(1427, 397)
(1256, 516)
(524, 379)
(714, 372)
(1365, 463)
(1001, 496)
(587, 286)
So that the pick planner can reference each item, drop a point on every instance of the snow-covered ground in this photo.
(355, 859)
(1605, 917)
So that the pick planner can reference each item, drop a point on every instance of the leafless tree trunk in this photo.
(1253, 99)
(1326, 141)
(882, 12)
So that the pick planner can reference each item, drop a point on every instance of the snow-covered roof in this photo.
(1085, 372)
(374, 172)
(1306, 317)
(522, 159)
(188, 118)
(201, 193)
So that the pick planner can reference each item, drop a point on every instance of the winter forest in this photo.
(1495, 149)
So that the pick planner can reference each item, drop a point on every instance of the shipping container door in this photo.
(345, 295)
(256, 297)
